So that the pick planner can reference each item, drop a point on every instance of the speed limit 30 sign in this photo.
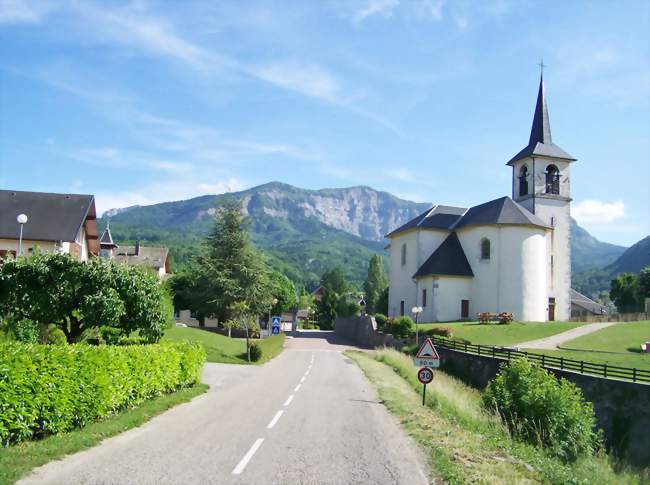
(425, 375)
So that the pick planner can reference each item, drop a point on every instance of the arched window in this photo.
(404, 254)
(552, 180)
(523, 180)
(485, 248)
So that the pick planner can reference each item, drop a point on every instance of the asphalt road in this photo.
(307, 417)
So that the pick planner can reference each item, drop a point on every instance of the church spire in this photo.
(541, 130)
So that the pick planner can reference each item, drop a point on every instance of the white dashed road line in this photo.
(247, 457)
(275, 419)
(297, 388)
(288, 401)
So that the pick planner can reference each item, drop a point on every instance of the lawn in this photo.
(17, 461)
(510, 334)
(622, 337)
(219, 348)
(630, 359)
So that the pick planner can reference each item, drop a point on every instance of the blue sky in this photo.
(141, 102)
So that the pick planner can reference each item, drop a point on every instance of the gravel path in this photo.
(554, 341)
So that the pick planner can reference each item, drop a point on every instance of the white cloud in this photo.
(376, 7)
(432, 8)
(595, 211)
(308, 79)
(21, 11)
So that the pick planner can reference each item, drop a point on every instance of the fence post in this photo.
(479, 349)
(493, 352)
(542, 360)
(582, 367)
(562, 363)
(604, 370)
(634, 374)
(465, 346)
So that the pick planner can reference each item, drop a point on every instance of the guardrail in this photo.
(548, 361)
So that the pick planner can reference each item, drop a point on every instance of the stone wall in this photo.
(622, 408)
(614, 317)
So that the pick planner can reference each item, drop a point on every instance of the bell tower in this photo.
(541, 183)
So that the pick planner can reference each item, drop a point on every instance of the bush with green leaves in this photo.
(540, 409)
(381, 320)
(444, 331)
(256, 352)
(51, 288)
(48, 389)
(401, 327)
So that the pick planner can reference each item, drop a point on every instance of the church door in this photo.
(464, 308)
(551, 309)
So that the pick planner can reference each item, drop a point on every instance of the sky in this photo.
(148, 101)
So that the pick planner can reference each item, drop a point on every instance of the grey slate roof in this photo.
(540, 142)
(51, 217)
(154, 257)
(438, 217)
(106, 240)
(587, 303)
(448, 260)
(499, 211)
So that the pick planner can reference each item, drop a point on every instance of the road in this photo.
(554, 341)
(307, 417)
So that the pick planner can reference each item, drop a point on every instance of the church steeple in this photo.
(540, 142)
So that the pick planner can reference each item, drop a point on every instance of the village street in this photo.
(309, 416)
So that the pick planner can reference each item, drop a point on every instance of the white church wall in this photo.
(402, 286)
(448, 296)
(428, 242)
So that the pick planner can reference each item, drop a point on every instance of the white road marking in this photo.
(297, 388)
(275, 419)
(303, 379)
(247, 457)
(306, 373)
(288, 401)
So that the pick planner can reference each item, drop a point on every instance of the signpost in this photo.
(275, 325)
(426, 358)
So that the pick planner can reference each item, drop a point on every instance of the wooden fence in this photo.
(583, 367)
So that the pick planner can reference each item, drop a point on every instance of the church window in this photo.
(402, 305)
(552, 180)
(403, 254)
(523, 180)
(424, 297)
(485, 248)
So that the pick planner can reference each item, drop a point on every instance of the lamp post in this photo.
(268, 322)
(416, 310)
(22, 220)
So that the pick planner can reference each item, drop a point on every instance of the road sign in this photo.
(425, 375)
(276, 323)
(427, 356)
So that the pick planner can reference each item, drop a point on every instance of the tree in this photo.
(644, 284)
(51, 288)
(375, 283)
(334, 280)
(232, 270)
(382, 304)
(624, 292)
(282, 289)
(326, 309)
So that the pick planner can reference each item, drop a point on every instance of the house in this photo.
(65, 223)
(509, 254)
(318, 293)
(156, 258)
(582, 305)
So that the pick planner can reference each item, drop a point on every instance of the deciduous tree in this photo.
(375, 283)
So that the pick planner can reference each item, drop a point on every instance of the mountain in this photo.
(304, 232)
(633, 260)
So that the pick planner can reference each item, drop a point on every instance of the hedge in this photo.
(47, 389)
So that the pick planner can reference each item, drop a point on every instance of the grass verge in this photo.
(17, 461)
(226, 350)
(510, 334)
(464, 443)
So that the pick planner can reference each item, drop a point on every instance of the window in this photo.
(424, 297)
(552, 180)
(404, 254)
(485, 248)
(523, 181)
(402, 304)
(193, 314)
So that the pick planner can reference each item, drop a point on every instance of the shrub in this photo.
(539, 409)
(47, 389)
(446, 332)
(401, 327)
(24, 330)
(505, 318)
(381, 320)
(256, 352)
(52, 334)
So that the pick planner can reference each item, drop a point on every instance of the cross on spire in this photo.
(542, 66)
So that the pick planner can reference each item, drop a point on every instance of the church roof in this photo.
(448, 260)
(540, 142)
(587, 303)
(499, 211)
(438, 217)
(106, 241)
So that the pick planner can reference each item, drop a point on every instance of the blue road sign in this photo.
(275, 325)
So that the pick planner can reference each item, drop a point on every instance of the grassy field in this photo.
(495, 334)
(622, 337)
(17, 461)
(464, 443)
(219, 348)
(640, 361)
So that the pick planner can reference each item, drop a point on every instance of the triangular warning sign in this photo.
(427, 351)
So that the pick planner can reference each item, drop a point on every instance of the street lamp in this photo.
(22, 220)
(268, 322)
(416, 310)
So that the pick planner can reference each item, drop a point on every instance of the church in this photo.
(505, 255)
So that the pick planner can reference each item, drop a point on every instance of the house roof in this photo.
(51, 217)
(154, 257)
(437, 217)
(587, 303)
(448, 260)
(499, 211)
(541, 142)
(106, 241)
